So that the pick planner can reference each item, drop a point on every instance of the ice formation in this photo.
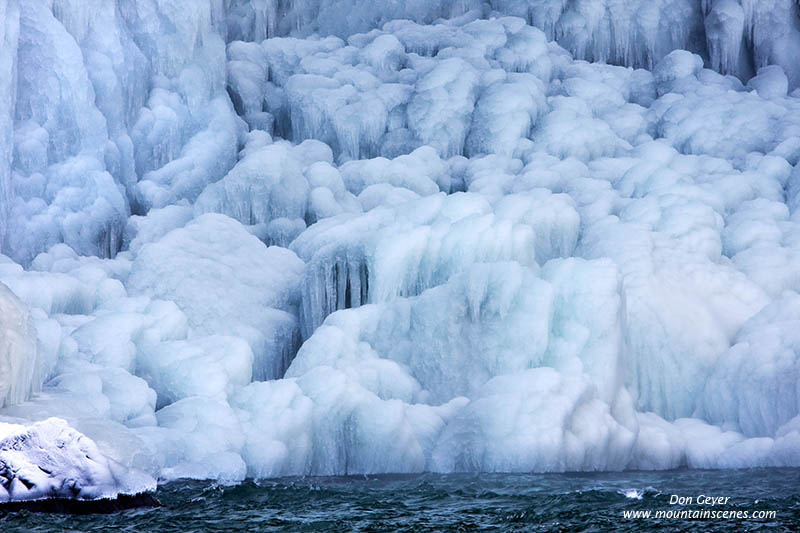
(20, 368)
(265, 238)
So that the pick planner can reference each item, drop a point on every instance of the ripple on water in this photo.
(488, 502)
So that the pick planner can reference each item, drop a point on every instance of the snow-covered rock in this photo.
(49, 459)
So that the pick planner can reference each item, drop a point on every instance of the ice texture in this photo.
(258, 238)
(106, 118)
(737, 36)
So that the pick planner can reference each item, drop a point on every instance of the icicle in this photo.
(20, 372)
(330, 287)
(724, 34)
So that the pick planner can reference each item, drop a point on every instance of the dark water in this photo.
(485, 502)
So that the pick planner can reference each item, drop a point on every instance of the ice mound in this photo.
(380, 94)
(49, 459)
(732, 125)
(60, 137)
(208, 366)
(762, 367)
(407, 398)
(278, 184)
(422, 172)
(226, 282)
(405, 331)
(557, 420)
(694, 443)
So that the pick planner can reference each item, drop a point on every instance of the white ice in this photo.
(257, 238)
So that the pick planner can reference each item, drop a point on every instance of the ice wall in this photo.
(376, 257)
(112, 108)
(135, 114)
(9, 37)
(445, 243)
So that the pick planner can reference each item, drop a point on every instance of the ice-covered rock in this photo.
(49, 459)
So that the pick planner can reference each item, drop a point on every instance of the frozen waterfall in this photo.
(257, 238)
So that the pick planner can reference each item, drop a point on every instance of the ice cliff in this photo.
(272, 237)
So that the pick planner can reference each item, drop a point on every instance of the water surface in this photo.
(464, 502)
